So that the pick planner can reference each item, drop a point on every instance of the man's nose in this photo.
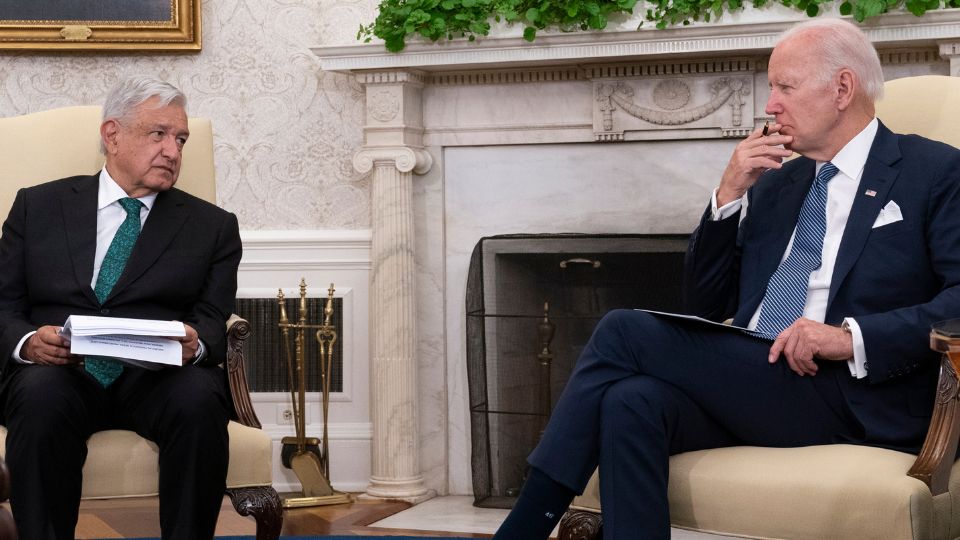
(170, 148)
(773, 104)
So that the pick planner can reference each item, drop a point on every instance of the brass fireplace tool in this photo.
(545, 332)
(301, 453)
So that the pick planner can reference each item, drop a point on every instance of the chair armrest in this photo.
(238, 330)
(939, 450)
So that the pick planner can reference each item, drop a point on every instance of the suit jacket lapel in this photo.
(79, 207)
(879, 175)
(163, 223)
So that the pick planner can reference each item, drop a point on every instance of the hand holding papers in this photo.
(139, 342)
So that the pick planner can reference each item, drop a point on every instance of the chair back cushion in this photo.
(57, 143)
(927, 105)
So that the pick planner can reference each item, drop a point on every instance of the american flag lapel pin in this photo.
(870, 193)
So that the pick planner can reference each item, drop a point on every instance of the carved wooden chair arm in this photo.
(238, 330)
(939, 451)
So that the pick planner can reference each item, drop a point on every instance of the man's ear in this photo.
(109, 132)
(846, 88)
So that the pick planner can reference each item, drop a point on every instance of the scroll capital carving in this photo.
(404, 158)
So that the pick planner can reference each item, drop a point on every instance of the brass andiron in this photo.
(545, 332)
(301, 453)
(546, 329)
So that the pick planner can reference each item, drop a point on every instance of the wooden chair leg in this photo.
(8, 529)
(581, 525)
(263, 503)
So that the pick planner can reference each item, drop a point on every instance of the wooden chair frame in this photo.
(260, 502)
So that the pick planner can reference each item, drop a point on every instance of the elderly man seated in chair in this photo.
(835, 271)
(122, 243)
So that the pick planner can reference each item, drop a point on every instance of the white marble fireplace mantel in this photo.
(621, 131)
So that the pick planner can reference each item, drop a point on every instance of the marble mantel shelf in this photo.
(758, 34)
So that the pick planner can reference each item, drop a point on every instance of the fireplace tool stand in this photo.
(303, 454)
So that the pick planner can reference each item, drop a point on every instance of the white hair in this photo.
(841, 45)
(129, 94)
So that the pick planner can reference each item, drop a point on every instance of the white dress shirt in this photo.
(841, 190)
(110, 215)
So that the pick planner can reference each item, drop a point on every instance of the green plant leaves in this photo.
(439, 19)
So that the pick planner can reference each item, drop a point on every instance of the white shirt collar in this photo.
(110, 192)
(852, 158)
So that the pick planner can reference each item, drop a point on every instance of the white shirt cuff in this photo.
(725, 211)
(201, 352)
(857, 365)
(16, 350)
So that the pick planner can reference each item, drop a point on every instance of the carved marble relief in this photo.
(383, 104)
(700, 106)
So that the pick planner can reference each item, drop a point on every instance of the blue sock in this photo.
(537, 511)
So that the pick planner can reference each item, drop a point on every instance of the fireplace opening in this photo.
(531, 304)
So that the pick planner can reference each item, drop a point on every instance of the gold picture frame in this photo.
(115, 25)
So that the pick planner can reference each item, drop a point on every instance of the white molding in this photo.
(321, 238)
(348, 487)
(896, 29)
(306, 250)
(343, 264)
(346, 431)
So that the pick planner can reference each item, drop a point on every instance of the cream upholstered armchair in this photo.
(64, 142)
(835, 491)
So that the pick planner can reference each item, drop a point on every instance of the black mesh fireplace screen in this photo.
(513, 381)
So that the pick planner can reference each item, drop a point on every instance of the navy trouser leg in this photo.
(643, 422)
(49, 412)
(185, 411)
(723, 372)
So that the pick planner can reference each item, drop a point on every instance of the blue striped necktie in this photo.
(787, 289)
(106, 370)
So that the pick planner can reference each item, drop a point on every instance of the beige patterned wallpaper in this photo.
(285, 132)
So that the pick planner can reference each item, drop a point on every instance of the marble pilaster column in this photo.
(951, 51)
(392, 150)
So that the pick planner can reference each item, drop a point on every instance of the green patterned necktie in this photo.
(106, 370)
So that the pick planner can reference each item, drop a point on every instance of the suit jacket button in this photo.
(105, 311)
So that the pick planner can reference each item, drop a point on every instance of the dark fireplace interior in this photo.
(265, 353)
(518, 363)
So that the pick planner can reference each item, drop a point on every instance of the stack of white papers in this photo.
(140, 342)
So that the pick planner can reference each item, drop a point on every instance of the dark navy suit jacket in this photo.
(183, 266)
(895, 280)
